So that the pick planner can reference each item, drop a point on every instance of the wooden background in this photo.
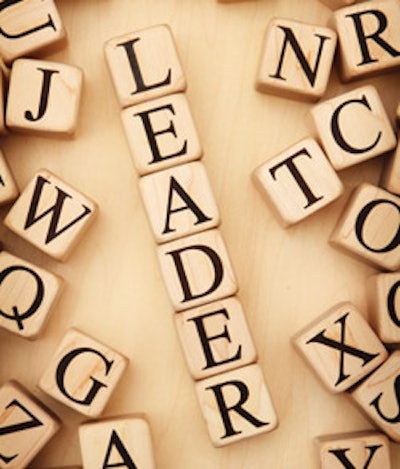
(114, 290)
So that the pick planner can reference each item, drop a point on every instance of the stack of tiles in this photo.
(150, 84)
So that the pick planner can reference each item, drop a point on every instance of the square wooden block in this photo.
(296, 59)
(197, 270)
(44, 97)
(384, 306)
(123, 441)
(51, 215)
(144, 65)
(236, 405)
(8, 187)
(179, 201)
(369, 227)
(352, 450)
(298, 182)
(378, 397)
(83, 373)
(353, 127)
(369, 38)
(335, 4)
(3, 93)
(27, 295)
(215, 338)
(391, 173)
(341, 347)
(161, 134)
(26, 425)
(29, 26)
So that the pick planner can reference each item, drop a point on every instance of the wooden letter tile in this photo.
(144, 65)
(369, 38)
(353, 127)
(340, 347)
(51, 215)
(83, 373)
(236, 405)
(384, 306)
(378, 397)
(369, 227)
(26, 425)
(215, 338)
(391, 173)
(43, 97)
(161, 134)
(196, 270)
(27, 26)
(354, 450)
(8, 187)
(179, 201)
(296, 59)
(123, 441)
(335, 4)
(27, 295)
(298, 182)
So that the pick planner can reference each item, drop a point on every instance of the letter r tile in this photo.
(51, 215)
(369, 38)
(236, 405)
(144, 65)
(26, 425)
(196, 270)
(340, 347)
(83, 373)
(298, 182)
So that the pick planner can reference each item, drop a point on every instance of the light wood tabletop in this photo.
(114, 290)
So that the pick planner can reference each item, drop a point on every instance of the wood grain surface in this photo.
(113, 288)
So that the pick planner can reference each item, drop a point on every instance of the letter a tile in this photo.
(43, 98)
(123, 441)
(379, 397)
(27, 295)
(51, 215)
(296, 60)
(340, 347)
(26, 425)
(179, 201)
(83, 373)
(354, 450)
(369, 227)
(197, 270)
(144, 65)
(236, 405)
(27, 26)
